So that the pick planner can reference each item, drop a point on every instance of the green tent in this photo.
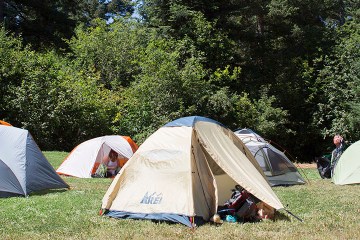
(347, 169)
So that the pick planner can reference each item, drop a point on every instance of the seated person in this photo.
(109, 166)
(112, 163)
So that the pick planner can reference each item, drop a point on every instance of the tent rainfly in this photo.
(23, 167)
(183, 171)
(277, 167)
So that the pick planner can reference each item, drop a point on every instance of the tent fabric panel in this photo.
(13, 151)
(203, 183)
(279, 163)
(234, 162)
(273, 162)
(190, 121)
(246, 135)
(40, 174)
(80, 161)
(263, 161)
(245, 150)
(133, 145)
(257, 150)
(5, 123)
(225, 185)
(119, 145)
(143, 184)
(286, 179)
(156, 216)
(347, 169)
(9, 184)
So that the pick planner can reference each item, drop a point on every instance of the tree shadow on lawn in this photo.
(48, 191)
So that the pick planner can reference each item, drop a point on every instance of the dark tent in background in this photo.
(277, 167)
(23, 167)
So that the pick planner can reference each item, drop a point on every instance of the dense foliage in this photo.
(287, 69)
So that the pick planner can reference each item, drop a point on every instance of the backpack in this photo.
(248, 210)
(101, 171)
(237, 199)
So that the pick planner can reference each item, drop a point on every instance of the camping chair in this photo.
(324, 166)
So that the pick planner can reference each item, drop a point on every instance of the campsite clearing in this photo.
(328, 211)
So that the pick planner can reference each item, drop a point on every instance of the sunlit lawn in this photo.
(328, 212)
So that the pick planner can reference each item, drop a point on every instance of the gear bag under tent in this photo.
(23, 167)
(85, 158)
(183, 172)
(277, 167)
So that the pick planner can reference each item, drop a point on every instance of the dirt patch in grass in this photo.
(306, 165)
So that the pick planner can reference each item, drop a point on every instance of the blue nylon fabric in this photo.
(40, 174)
(156, 216)
(190, 121)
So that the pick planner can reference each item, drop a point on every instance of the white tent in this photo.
(183, 172)
(347, 169)
(86, 157)
(277, 167)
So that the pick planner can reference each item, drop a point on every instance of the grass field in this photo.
(328, 212)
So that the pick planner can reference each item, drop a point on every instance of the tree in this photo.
(339, 80)
(48, 23)
(112, 50)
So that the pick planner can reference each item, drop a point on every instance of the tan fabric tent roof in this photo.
(186, 170)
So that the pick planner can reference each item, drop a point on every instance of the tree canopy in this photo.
(287, 69)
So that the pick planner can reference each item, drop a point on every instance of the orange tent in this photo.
(85, 158)
(5, 123)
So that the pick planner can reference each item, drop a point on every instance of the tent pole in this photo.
(293, 215)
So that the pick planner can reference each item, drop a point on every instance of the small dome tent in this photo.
(23, 167)
(277, 167)
(84, 159)
(183, 171)
(347, 169)
(5, 123)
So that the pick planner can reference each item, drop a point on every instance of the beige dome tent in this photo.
(183, 171)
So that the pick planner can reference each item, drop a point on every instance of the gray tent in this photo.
(23, 167)
(277, 167)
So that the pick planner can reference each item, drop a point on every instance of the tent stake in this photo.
(293, 215)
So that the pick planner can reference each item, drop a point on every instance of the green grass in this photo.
(328, 212)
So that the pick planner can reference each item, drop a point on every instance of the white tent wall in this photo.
(81, 160)
(14, 148)
(347, 169)
(119, 145)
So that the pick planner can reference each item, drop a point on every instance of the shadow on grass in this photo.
(48, 191)
(281, 216)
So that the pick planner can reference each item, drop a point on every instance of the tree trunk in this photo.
(2, 7)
